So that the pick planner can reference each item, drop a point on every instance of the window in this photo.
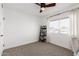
(65, 26)
(54, 26)
(60, 26)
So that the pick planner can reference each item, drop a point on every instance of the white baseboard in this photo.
(20, 44)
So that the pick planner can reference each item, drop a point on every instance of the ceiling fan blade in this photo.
(42, 4)
(50, 5)
(38, 4)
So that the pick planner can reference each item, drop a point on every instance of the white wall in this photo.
(20, 28)
(60, 40)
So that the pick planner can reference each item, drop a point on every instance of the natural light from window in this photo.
(60, 26)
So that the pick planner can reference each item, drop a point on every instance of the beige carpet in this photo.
(38, 49)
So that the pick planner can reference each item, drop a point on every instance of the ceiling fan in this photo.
(44, 5)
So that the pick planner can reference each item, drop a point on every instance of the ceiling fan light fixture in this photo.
(44, 5)
(42, 8)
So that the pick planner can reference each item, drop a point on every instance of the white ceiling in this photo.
(58, 8)
(33, 9)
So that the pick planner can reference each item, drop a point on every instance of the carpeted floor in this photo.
(38, 49)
